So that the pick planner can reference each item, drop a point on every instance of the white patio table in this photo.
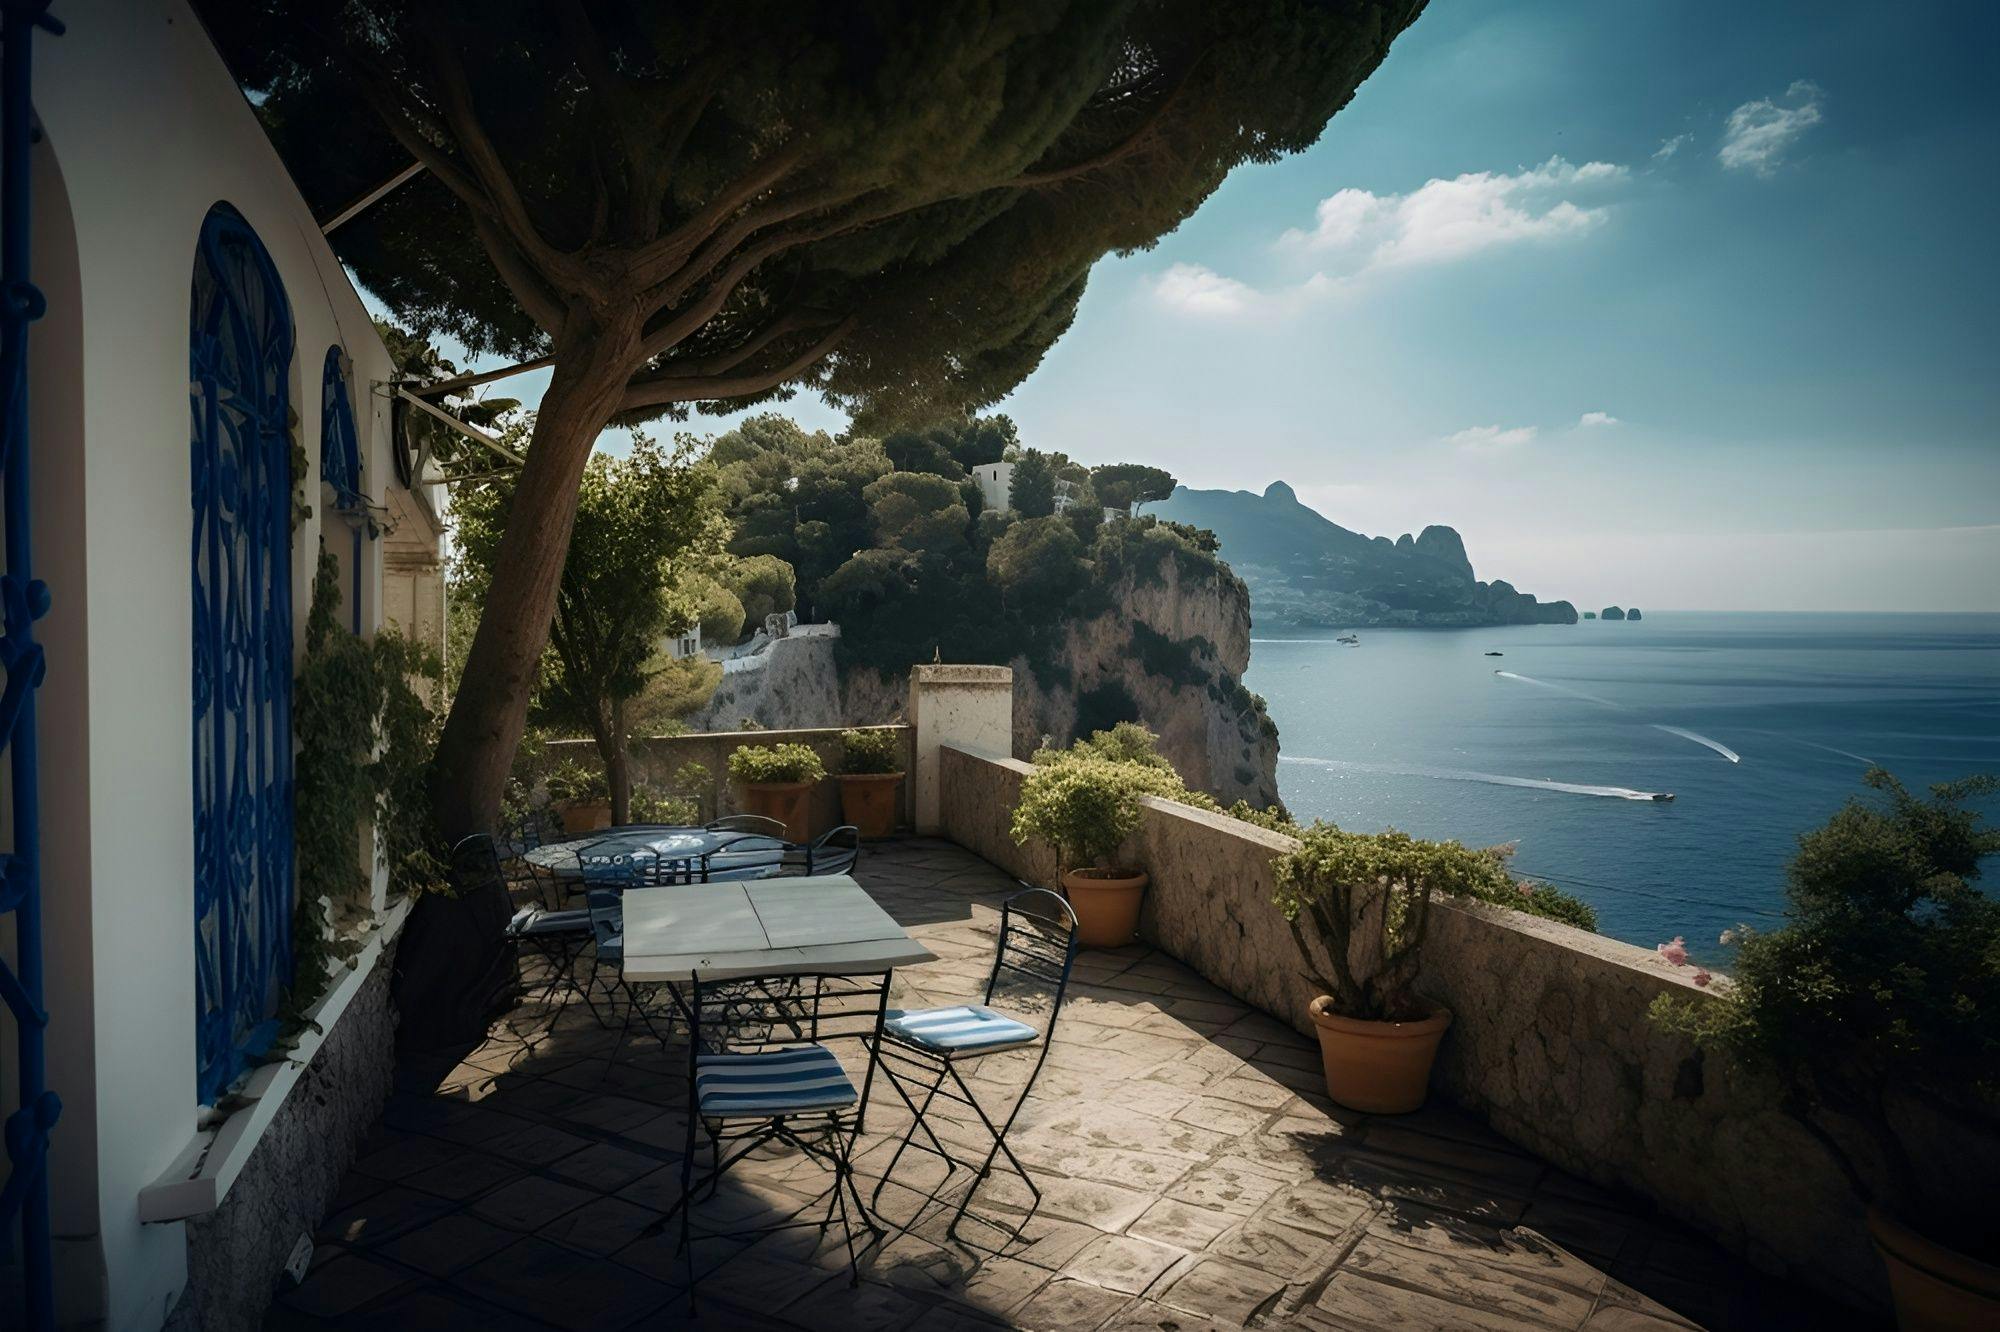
(770, 927)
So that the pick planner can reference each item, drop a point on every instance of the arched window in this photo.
(240, 353)
(340, 469)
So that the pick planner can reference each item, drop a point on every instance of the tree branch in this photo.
(662, 392)
(1118, 152)
(662, 257)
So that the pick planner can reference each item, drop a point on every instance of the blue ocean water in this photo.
(1760, 725)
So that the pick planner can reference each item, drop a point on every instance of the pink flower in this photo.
(1675, 952)
(1702, 977)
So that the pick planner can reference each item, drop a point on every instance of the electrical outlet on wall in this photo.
(301, 1259)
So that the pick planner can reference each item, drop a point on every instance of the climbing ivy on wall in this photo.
(365, 738)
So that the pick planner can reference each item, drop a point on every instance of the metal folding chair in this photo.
(924, 1048)
(747, 1090)
(748, 823)
(832, 852)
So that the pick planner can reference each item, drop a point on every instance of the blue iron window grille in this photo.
(241, 355)
(340, 466)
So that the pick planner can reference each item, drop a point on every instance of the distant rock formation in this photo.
(1305, 571)
(1590, 615)
(1633, 614)
(1613, 613)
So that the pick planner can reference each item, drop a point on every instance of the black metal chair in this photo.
(747, 823)
(832, 852)
(747, 1089)
(925, 1048)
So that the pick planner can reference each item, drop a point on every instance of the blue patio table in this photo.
(691, 846)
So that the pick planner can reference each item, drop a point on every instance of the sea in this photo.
(1759, 725)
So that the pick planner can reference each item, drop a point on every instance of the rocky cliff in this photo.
(1168, 649)
(1306, 571)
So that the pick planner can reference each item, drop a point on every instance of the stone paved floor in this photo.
(1194, 1177)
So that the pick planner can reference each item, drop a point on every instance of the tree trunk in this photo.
(617, 765)
(476, 750)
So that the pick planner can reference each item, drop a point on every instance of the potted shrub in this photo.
(1875, 1011)
(1361, 902)
(777, 783)
(581, 796)
(871, 768)
(1085, 806)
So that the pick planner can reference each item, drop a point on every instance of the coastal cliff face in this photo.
(1307, 572)
(1168, 649)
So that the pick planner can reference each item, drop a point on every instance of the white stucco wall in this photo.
(967, 707)
(148, 132)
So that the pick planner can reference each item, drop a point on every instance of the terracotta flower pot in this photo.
(1383, 1068)
(868, 801)
(1106, 902)
(582, 816)
(790, 803)
(1935, 1289)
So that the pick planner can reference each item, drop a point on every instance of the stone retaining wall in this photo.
(1550, 1042)
(237, 1253)
(656, 759)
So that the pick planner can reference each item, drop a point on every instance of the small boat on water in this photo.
(1352, 640)
(1663, 795)
(1496, 654)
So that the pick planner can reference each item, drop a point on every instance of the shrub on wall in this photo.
(757, 764)
(870, 752)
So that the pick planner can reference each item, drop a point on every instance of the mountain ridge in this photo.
(1306, 571)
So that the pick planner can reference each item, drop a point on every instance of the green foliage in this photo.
(721, 612)
(1552, 903)
(918, 512)
(1121, 485)
(1177, 660)
(1887, 970)
(645, 545)
(572, 783)
(1104, 706)
(1032, 491)
(764, 585)
(365, 737)
(755, 764)
(1037, 564)
(870, 751)
(1361, 902)
(652, 806)
(951, 449)
(1083, 806)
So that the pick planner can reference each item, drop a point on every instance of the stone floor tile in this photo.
(344, 1285)
(996, 1285)
(1106, 1206)
(564, 1287)
(1230, 1118)
(868, 1307)
(382, 1216)
(1181, 1224)
(1220, 1289)
(435, 1309)
(530, 1202)
(1353, 1301)
(1067, 1306)
(602, 1225)
(465, 1177)
(448, 1244)
(1123, 1263)
(604, 1167)
(406, 1155)
(1230, 1184)
(1289, 1254)
(1465, 1280)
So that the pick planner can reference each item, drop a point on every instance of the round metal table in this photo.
(687, 846)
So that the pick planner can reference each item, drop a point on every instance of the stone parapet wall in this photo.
(655, 760)
(1550, 1040)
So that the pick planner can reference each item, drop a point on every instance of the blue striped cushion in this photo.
(965, 1029)
(794, 1080)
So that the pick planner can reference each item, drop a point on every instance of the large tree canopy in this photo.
(679, 205)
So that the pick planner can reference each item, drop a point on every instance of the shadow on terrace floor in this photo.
(1194, 1177)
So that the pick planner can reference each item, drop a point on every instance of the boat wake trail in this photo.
(1560, 689)
(1489, 778)
(1844, 753)
(1703, 740)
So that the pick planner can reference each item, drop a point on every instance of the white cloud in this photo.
(1491, 438)
(1668, 147)
(1758, 134)
(1444, 220)
(1589, 419)
(1195, 290)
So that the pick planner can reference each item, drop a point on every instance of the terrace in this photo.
(1195, 1177)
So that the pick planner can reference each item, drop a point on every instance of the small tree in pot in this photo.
(1085, 807)
(581, 796)
(1876, 1010)
(777, 783)
(1361, 902)
(871, 768)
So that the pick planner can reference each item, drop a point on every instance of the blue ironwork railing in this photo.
(340, 465)
(23, 600)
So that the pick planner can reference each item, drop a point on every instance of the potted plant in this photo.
(1361, 901)
(1085, 806)
(871, 768)
(777, 783)
(1875, 1011)
(581, 795)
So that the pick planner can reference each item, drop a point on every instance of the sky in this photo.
(1683, 305)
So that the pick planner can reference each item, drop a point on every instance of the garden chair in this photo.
(747, 1092)
(923, 1049)
(832, 852)
(747, 823)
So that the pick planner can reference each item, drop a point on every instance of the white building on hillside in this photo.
(996, 487)
(199, 337)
